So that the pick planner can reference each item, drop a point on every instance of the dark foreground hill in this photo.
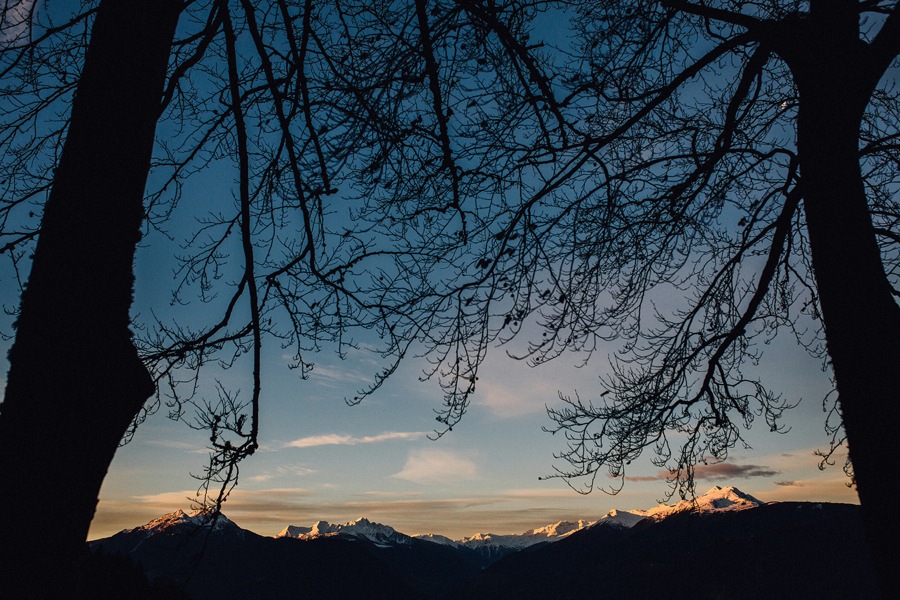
(226, 562)
(781, 550)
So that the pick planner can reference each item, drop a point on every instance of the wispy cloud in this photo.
(433, 466)
(178, 445)
(336, 439)
(824, 489)
(539, 493)
(390, 494)
(517, 397)
(724, 471)
(716, 472)
(282, 472)
(337, 374)
(241, 498)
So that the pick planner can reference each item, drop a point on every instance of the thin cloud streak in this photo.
(336, 439)
(178, 445)
(539, 493)
(727, 471)
(390, 494)
(282, 472)
(833, 489)
(715, 472)
(335, 375)
(240, 498)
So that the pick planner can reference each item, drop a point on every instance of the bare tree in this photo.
(746, 157)
(680, 177)
(294, 102)
(691, 179)
(75, 380)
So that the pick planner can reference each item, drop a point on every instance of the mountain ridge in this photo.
(629, 554)
(717, 498)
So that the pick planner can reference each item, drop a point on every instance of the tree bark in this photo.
(75, 380)
(860, 315)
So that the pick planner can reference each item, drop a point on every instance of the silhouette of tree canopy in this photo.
(687, 178)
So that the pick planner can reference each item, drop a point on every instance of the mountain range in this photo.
(716, 499)
(725, 544)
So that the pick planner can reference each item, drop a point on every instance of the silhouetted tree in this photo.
(293, 101)
(75, 380)
(742, 155)
(688, 178)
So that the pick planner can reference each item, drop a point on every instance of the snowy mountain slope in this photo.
(716, 499)
(435, 538)
(622, 518)
(381, 535)
(772, 551)
(181, 518)
(548, 533)
(293, 531)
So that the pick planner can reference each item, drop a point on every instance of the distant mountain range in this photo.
(725, 544)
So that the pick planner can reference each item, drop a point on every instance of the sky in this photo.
(322, 459)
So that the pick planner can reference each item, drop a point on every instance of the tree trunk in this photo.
(75, 380)
(860, 315)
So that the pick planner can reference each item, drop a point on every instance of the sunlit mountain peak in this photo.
(360, 528)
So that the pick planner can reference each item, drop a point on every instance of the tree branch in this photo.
(714, 14)
(886, 45)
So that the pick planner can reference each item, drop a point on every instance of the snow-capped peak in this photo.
(437, 539)
(622, 518)
(548, 533)
(558, 529)
(716, 499)
(180, 518)
(383, 535)
(719, 498)
(167, 520)
(725, 497)
(293, 531)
